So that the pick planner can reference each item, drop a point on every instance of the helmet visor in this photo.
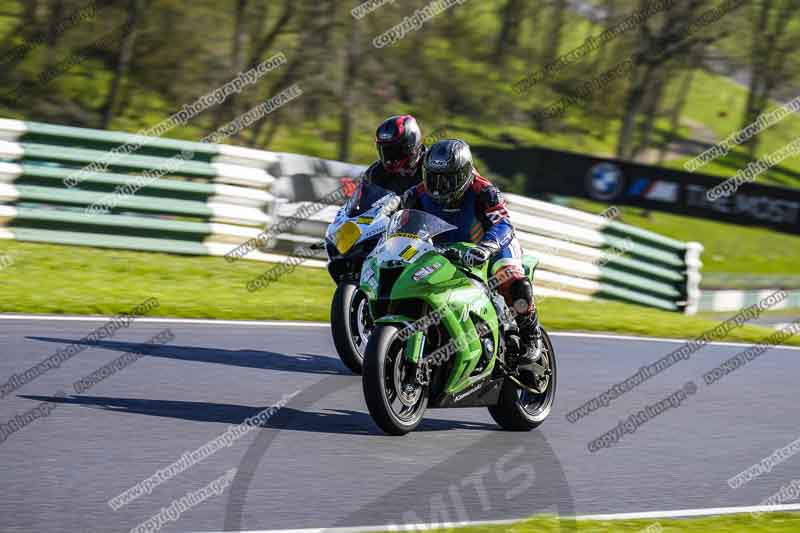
(392, 152)
(443, 184)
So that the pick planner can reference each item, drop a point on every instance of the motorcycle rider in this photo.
(454, 191)
(398, 140)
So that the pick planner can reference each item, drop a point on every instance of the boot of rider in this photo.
(531, 336)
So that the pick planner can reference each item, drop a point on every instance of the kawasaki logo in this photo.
(467, 392)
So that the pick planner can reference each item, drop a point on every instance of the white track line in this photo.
(98, 318)
(683, 513)
(390, 527)
(297, 324)
(653, 339)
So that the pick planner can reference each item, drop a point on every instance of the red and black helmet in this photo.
(399, 143)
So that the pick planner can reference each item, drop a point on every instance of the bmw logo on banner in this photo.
(605, 181)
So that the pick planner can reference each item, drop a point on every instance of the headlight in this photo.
(347, 236)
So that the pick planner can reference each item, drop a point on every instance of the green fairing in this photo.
(451, 290)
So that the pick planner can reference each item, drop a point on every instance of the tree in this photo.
(511, 18)
(774, 40)
(123, 59)
(227, 109)
(553, 36)
(673, 40)
(676, 110)
(351, 68)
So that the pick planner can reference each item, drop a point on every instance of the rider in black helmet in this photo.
(399, 143)
(453, 190)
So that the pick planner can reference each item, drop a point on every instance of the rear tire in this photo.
(520, 410)
(345, 325)
(380, 379)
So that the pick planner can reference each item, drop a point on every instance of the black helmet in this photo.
(399, 143)
(447, 170)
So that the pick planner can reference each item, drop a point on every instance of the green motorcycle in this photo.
(443, 335)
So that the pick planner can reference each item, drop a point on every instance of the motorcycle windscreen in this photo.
(400, 248)
(414, 223)
(365, 196)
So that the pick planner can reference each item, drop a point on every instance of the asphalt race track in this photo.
(321, 462)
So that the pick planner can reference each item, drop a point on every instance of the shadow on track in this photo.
(308, 363)
(338, 421)
(520, 474)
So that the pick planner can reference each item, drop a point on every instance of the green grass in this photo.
(729, 248)
(629, 319)
(768, 523)
(57, 279)
(69, 279)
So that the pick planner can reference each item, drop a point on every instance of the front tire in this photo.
(521, 410)
(396, 409)
(350, 325)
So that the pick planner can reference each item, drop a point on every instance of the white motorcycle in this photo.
(351, 236)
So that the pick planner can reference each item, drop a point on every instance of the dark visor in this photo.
(392, 152)
(442, 183)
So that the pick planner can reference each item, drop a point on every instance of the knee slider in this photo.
(522, 295)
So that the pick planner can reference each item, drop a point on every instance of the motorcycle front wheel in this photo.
(394, 400)
(351, 325)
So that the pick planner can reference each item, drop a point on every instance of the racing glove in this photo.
(480, 254)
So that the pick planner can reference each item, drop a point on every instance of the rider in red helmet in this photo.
(399, 143)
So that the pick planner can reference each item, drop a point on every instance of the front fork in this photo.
(414, 348)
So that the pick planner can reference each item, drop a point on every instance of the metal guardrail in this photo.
(224, 196)
(205, 205)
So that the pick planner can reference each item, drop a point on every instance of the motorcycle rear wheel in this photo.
(522, 410)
